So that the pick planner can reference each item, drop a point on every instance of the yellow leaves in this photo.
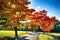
(30, 16)
(29, 28)
(13, 6)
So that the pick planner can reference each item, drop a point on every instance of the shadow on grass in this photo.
(9, 38)
(6, 38)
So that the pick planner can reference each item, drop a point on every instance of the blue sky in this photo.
(52, 6)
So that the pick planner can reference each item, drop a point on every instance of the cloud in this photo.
(37, 8)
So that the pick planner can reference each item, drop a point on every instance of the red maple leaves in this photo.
(40, 18)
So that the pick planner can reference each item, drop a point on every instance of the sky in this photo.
(51, 6)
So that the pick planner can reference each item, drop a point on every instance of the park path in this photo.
(33, 36)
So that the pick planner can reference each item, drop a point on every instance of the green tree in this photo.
(57, 26)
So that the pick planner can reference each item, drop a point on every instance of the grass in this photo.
(12, 33)
(54, 34)
(45, 37)
(20, 33)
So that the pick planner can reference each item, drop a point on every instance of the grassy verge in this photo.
(12, 33)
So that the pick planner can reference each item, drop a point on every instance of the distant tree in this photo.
(57, 27)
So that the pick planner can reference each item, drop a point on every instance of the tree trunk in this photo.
(16, 35)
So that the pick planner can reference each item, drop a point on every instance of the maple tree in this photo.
(18, 10)
(40, 18)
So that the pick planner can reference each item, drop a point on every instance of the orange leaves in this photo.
(23, 2)
(29, 28)
(53, 19)
(47, 26)
(19, 11)
(32, 10)
(40, 18)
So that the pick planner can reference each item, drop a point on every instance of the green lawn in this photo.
(54, 34)
(20, 33)
(12, 33)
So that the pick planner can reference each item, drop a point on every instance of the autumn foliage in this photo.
(18, 10)
(40, 18)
